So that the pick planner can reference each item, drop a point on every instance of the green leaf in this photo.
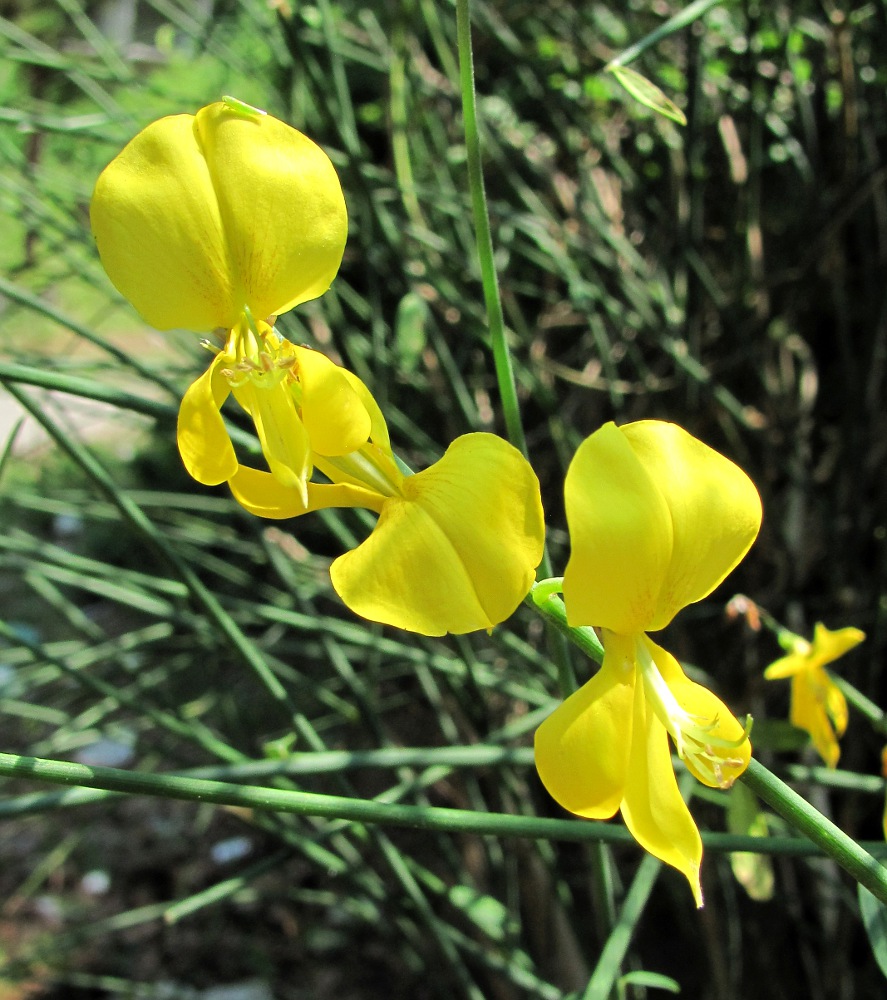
(874, 919)
(647, 93)
(650, 980)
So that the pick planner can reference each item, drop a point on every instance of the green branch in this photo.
(495, 316)
(195, 789)
(797, 811)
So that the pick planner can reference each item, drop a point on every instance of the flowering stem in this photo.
(867, 871)
(543, 599)
(495, 317)
(188, 787)
(779, 796)
(865, 706)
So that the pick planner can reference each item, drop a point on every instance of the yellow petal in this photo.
(582, 748)
(333, 413)
(458, 552)
(284, 440)
(620, 536)
(829, 646)
(719, 723)
(203, 440)
(835, 705)
(378, 427)
(261, 494)
(714, 507)
(281, 206)
(787, 666)
(653, 808)
(808, 711)
(201, 216)
(158, 229)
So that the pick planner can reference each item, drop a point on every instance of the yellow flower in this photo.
(221, 221)
(817, 704)
(300, 402)
(455, 548)
(657, 520)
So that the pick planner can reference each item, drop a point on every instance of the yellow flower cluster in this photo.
(224, 220)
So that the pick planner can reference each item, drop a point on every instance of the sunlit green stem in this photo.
(134, 515)
(495, 317)
(543, 598)
(865, 706)
(803, 817)
(195, 789)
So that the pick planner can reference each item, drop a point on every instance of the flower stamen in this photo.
(693, 735)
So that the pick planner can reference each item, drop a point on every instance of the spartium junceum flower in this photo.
(455, 547)
(657, 520)
(221, 221)
(817, 704)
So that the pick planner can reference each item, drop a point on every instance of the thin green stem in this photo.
(543, 599)
(87, 388)
(865, 706)
(867, 871)
(495, 316)
(692, 12)
(609, 964)
(132, 513)
(283, 800)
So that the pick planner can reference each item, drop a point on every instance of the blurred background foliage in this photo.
(728, 275)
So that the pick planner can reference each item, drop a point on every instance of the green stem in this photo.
(829, 838)
(865, 706)
(604, 978)
(682, 19)
(133, 514)
(495, 316)
(188, 788)
(543, 599)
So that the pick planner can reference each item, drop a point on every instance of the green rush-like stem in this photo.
(876, 716)
(129, 359)
(91, 784)
(87, 388)
(133, 514)
(193, 789)
(560, 652)
(495, 316)
(832, 841)
(692, 12)
(543, 598)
